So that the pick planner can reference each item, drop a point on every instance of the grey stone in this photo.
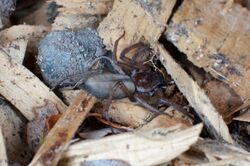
(64, 54)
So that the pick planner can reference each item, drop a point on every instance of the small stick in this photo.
(59, 137)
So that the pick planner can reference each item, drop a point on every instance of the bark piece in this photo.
(132, 115)
(141, 147)
(219, 153)
(215, 40)
(81, 13)
(27, 32)
(23, 89)
(16, 49)
(59, 136)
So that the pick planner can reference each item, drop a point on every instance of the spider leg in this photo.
(127, 50)
(116, 46)
(135, 97)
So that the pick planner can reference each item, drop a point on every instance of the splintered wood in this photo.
(16, 79)
(215, 39)
(81, 13)
(142, 19)
(141, 147)
(59, 137)
(148, 20)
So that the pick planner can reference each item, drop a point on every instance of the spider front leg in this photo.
(132, 97)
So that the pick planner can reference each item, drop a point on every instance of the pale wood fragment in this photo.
(215, 40)
(101, 7)
(16, 49)
(31, 33)
(81, 13)
(139, 20)
(58, 138)
(132, 115)
(3, 154)
(141, 147)
(219, 153)
(28, 32)
(23, 89)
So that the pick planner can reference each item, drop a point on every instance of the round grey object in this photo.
(65, 53)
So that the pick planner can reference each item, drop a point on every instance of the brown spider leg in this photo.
(109, 100)
(116, 46)
(155, 111)
(129, 66)
(175, 106)
(127, 50)
(139, 53)
(142, 102)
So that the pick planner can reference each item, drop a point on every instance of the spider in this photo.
(147, 81)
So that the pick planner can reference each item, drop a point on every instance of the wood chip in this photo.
(132, 115)
(227, 154)
(153, 147)
(16, 49)
(27, 32)
(222, 51)
(81, 13)
(23, 89)
(58, 138)
(142, 19)
(3, 154)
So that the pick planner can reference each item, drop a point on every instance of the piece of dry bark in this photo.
(210, 153)
(219, 153)
(224, 99)
(27, 32)
(81, 13)
(215, 40)
(3, 154)
(141, 147)
(23, 89)
(16, 49)
(59, 136)
(148, 22)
